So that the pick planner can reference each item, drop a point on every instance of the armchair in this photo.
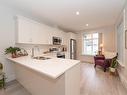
(101, 61)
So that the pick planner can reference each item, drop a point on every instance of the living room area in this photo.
(106, 49)
(106, 68)
(103, 56)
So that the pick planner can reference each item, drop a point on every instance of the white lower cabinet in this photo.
(39, 84)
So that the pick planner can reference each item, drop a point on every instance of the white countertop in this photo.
(53, 67)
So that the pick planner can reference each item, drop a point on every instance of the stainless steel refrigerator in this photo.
(72, 49)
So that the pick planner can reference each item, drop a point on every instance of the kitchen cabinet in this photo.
(60, 76)
(33, 32)
(23, 31)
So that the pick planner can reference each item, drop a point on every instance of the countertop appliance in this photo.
(57, 41)
(53, 49)
(60, 55)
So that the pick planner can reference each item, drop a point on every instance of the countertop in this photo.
(52, 68)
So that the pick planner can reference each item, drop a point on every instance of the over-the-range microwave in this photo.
(57, 41)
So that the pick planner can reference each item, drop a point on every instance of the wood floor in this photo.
(96, 82)
(14, 88)
(93, 82)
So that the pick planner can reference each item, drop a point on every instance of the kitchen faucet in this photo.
(32, 53)
(34, 50)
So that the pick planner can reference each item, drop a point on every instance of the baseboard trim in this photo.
(86, 62)
(122, 75)
(10, 78)
(11, 82)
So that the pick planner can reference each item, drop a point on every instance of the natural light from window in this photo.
(90, 43)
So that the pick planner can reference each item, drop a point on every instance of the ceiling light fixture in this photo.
(87, 25)
(77, 13)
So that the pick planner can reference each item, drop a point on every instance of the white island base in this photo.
(38, 84)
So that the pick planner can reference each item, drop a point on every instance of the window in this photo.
(90, 42)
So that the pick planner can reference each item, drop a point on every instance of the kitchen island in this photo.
(53, 76)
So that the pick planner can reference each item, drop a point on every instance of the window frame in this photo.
(83, 52)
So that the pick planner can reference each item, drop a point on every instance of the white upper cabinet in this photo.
(22, 26)
(32, 32)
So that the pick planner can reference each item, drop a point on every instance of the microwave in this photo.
(57, 41)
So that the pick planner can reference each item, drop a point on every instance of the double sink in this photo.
(41, 58)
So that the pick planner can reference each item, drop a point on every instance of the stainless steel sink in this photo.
(41, 58)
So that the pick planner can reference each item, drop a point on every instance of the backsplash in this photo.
(42, 48)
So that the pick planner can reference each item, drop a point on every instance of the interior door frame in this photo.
(125, 39)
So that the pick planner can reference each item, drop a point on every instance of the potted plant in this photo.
(1, 68)
(13, 51)
(113, 66)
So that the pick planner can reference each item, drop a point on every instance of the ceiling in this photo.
(62, 13)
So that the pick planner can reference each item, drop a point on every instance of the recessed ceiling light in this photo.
(77, 13)
(87, 24)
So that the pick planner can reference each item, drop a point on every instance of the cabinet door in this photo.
(25, 33)
(50, 34)
(46, 34)
(40, 34)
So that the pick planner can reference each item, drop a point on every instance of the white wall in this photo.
(108, 40)
(125, 22)
(7, 38)
(121, 26)
(120, 35)
(121, 41)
